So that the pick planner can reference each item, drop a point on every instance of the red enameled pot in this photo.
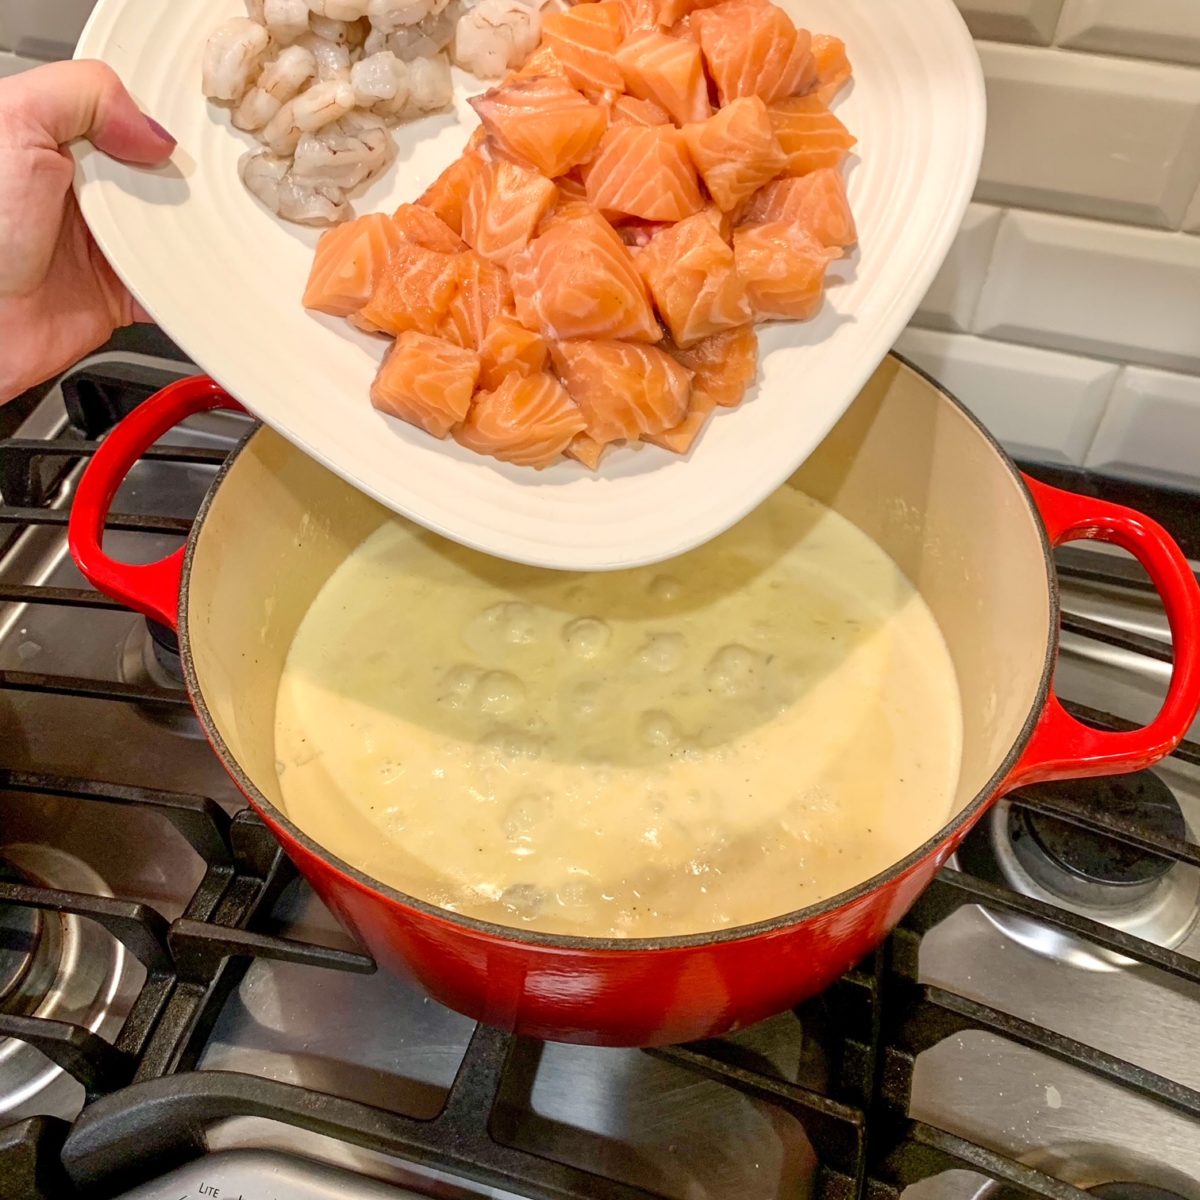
(906, 464)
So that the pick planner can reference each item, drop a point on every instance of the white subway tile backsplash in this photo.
(1166, 29)
(1012, 20)
(1151, 429)
(1114, 139)
(1092, 288)
(1094, 112)
(950, 302)
(1042, 406)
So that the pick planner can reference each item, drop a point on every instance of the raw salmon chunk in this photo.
(543, 61)
(690, 272)
(447, 194)
(638, 15)
(752, 48)
(644, 171)
(575, 208)
(629, 110)
(623, 390)
(585, 449)
(683, 30)
(657, 177)
(503, 207)
(783, 269)
(351, 261)
(809, 134)
(723, 367)
(800, 71)
(423, 227)
(735, 151)
(682, 437)
(672, 12)
(509, 347)
(667, 70)
(637, 234)
(570, 187)
(817, 203)
(528, 420)
(482, 292)
(584, 39)
(427, 382)
(413, 294)
(542, 121)
(833, 67)
(720, 220)
(577, 280)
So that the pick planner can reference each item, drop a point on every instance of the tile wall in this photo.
(1068, 315)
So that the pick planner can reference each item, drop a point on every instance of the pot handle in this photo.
(1061, 746)
(152, 589)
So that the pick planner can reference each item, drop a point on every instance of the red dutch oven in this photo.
(907, 464)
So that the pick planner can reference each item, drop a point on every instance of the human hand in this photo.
(59, 298)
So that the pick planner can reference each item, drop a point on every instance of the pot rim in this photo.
(581, 944)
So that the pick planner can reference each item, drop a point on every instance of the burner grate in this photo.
(187, 960)
(143, 1088)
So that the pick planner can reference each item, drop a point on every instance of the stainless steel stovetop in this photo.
(992, 1038)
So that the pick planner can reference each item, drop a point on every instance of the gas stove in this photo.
(180, 1017)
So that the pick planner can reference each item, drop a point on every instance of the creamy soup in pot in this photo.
(755, 726)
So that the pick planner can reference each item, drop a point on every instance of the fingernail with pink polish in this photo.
(162, 133)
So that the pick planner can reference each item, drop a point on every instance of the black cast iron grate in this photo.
(143, 1090)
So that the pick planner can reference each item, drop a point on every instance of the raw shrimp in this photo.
(430, 84)
(279, 82)
(281, 135)
(427, 37)
(321, 82)
(389, 15)
(341, 33)
(286, 20)
(270, 179)
(321, 105)
(333, 61)
(494, 36)
(255, 110)
(339, 10)
(263, 174)
(232, 57)
(381, 83)
(345, 155)
(312, 206)
(376, 42)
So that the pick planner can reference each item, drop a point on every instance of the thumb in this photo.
(71, 100)
(41, 111)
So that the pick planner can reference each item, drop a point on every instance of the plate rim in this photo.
(509, 543)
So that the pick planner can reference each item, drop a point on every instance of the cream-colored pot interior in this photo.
(905, 464)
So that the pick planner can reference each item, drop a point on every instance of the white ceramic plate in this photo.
(224, 279)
